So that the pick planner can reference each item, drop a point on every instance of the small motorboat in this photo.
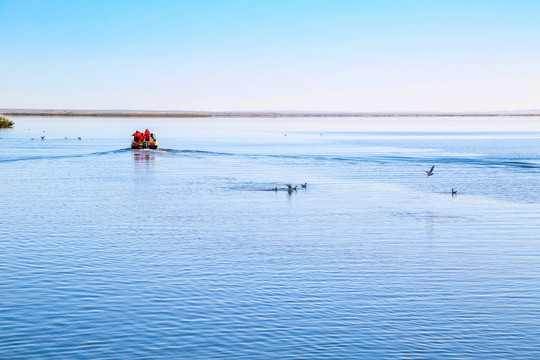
(150, 144)
(144, 140)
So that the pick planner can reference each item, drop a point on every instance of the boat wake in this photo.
(377, 159)
(55, 157)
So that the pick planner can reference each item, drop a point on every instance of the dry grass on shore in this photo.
(5, 123)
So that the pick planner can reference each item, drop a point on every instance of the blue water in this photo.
(186, 252)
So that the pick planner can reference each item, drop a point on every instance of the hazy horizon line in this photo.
(17, 111)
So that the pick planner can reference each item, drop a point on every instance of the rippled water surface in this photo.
(188, 252)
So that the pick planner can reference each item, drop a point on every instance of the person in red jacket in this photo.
(147, 135)
(137, 136)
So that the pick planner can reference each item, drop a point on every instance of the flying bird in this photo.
(430, 172)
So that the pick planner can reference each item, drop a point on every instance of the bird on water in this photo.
(291, 188)
(430, 172)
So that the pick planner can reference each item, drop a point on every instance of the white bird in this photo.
(430, 172)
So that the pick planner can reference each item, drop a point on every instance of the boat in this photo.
(150, 144)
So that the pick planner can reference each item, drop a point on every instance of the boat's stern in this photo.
(144, 145)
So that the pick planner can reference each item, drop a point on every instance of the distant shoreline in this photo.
(242, 114)
(82, 113)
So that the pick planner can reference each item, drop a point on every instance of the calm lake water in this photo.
(187, 253)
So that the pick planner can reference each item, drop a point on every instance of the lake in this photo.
(189, 253)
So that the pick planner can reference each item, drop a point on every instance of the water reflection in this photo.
(143, 159)
(428, 222)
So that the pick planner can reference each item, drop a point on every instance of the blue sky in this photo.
(433, 55)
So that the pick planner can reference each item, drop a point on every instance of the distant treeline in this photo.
(105, 114)
(237, 114)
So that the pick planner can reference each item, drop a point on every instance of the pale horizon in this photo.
(533, 112)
